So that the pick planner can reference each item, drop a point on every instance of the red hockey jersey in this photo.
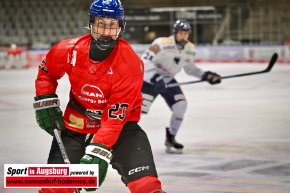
(14, 51)
(108, 92)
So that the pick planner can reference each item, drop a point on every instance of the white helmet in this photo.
(13, 46)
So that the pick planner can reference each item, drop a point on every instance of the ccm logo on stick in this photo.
(139, 169)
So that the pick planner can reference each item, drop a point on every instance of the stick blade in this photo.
(272, 62)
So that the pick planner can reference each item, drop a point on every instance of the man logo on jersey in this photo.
(92, 91)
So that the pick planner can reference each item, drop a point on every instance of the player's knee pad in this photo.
(147, 102)
(57, 190)
(147, 184)
(179, 108)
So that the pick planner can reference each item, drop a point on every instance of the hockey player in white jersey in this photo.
(165, 57)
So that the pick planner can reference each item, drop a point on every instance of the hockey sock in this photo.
(147, 184)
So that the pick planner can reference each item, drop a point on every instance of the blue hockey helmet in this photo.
(108, 9)
(181, 25)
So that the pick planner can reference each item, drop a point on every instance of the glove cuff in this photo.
(46, 103)
(100, 151)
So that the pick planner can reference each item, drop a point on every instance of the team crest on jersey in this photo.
(92, 69)
(177, 60)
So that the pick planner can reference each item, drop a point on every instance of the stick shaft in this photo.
(268, 69)
(61, 146)
(62, 150)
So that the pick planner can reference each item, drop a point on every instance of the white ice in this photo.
(236, 134)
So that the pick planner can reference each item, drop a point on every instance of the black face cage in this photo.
(105, 41)
(120, 30)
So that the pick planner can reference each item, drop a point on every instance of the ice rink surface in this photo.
(236, 134)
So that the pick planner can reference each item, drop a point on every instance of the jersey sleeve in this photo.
(190, 68)
(151, 58)
(149, 67)
(155, 53)
(124, 104)
(50, 70)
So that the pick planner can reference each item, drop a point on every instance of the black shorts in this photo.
(132, 154)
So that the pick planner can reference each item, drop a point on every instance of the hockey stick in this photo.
(268, 69)
(62, 149)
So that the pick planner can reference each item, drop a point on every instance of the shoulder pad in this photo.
(190, 48)
(162, 40)
(166, 40)
(190, 44)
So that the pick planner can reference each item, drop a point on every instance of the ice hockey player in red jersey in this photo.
(14, 57)
(105, 101)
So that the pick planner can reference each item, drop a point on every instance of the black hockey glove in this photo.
(211, 77)
(98, 154)
(158, 82)
(47, 112)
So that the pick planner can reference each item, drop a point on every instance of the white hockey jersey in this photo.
(164, 58)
